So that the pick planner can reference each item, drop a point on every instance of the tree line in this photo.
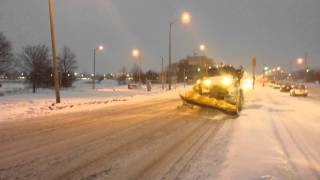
(135, 72)
(35, 62)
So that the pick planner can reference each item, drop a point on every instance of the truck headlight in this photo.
(227, 81)
(207, 82)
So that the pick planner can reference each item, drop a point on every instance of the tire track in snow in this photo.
(132, 142)
(73, 118)
(305, 155)
(169, 139)
(81, 127)
(284, 149)
(172, 161)
(32, 164)
(182, 163)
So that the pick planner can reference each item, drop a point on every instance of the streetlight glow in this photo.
(100, 48)
(202, 47)
(185, 18)
(300, 61)
(135, 53)
(278, 68)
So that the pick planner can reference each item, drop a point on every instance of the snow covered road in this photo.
(151, 139)
(275, 137)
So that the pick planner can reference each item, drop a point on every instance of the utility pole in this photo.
(54, 54)
(169, 69)
(162, 73)
(254, 64)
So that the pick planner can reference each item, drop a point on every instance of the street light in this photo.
(136, 54)
(185, 19)
(300, 61)
(278, 68)
(202, 47)
(99, 48)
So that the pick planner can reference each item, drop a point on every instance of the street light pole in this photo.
(185, 19)
(170, 49)
(94, 69)
(54, 54)
(162, 73)
(136, 54)
(305, 60)
(140, 69)
(100, 48)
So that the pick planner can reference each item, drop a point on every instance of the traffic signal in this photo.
(265, 68)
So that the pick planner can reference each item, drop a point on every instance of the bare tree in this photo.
(68, 64)
(5, 54)
(136, 70)
(36, 63)
(122, 76)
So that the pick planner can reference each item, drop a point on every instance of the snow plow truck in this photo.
(219, 89)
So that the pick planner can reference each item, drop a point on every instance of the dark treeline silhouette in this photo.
(35, 62)
(6, 55)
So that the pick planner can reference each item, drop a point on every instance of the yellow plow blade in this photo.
(199, 100)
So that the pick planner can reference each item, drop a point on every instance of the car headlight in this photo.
(227, 81)
(207, 82)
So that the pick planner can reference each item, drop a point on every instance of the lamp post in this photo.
(100, 48)
(202, 48)
(54, 54)
(162, 73)
(185, 19)
(136, 54)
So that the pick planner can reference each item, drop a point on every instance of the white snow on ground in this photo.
(21, 103)
(276, 137)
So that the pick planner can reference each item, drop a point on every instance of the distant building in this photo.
(192, 68)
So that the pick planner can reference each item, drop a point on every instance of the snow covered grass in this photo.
(81, 97)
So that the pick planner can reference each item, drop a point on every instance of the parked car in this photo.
(285, 87)
(299, 90)
(134, 86)
(276, 85)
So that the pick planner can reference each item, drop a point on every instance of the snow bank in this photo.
(81, 97)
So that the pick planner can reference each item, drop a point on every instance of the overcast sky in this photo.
(274, 31)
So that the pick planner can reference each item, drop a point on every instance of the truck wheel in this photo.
(239, 105)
